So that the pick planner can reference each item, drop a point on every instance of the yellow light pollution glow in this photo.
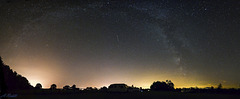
(47, 72)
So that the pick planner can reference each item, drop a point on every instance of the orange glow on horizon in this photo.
(47, 72)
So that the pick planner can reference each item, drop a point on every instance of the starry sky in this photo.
(95, 43)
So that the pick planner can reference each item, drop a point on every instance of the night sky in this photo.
(95, 43)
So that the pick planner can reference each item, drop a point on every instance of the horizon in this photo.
(144, 87)
(96, 43)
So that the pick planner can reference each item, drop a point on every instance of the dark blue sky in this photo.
(96, 43)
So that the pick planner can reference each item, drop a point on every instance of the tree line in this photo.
(10, 80)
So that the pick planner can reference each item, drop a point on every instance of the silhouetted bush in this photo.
(73, 87)
(53, 87)
(38, 86)
(133, 89)
(103, 89)
(66, 87)
(91, 89)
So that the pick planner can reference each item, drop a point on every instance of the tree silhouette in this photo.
(73, 87)
(38, 86)
(53, 87)
(11, 80)
(3, 86)
(66, 87)
(89, 88)
(219, 86)
(103, 89)
(170, 84)
(158, 86)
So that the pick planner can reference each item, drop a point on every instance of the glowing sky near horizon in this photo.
(96, 43)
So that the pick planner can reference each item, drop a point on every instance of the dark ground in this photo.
(143, 95)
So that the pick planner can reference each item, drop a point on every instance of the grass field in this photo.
(143, 95)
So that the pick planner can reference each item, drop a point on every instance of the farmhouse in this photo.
(118, 88)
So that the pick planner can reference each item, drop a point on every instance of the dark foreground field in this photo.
(144, 95)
